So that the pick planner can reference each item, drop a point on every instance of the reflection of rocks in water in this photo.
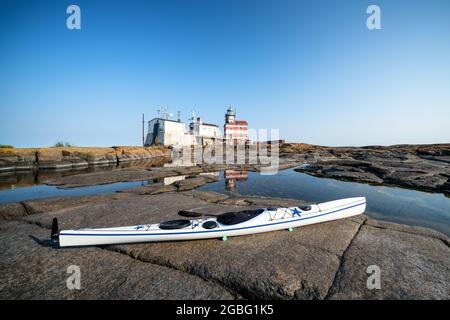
(13, 179)
(31, 178)
(233, 176)
(19, 179)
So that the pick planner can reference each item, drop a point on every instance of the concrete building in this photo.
(205, 133)
(165, 131)
(235, 131)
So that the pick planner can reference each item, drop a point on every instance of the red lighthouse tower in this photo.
(235, 131)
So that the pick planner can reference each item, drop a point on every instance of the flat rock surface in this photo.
(411, 266)
(33, 271)
(97, 178)
(322, 261)
(151, 189)
(57, 203)
(13, 210)
(210, 196)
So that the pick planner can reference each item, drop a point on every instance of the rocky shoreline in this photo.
(322, 261)
(420, 167)
(15, 159)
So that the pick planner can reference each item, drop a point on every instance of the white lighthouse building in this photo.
(165, 131)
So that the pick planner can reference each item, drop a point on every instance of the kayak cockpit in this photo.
(174, 224)
(232, 218)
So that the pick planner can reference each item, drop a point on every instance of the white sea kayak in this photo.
(221, 226)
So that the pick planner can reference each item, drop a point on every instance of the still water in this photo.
(385, 203)
(43, 191)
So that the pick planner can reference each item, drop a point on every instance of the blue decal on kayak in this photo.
(295, 212)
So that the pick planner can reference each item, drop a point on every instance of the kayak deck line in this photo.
(144, 233)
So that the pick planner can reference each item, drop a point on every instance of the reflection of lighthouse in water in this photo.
(233, 176)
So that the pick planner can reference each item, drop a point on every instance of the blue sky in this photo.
(311, 69)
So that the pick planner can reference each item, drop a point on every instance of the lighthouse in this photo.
(235, 131)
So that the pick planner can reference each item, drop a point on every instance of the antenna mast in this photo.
(143, 124)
